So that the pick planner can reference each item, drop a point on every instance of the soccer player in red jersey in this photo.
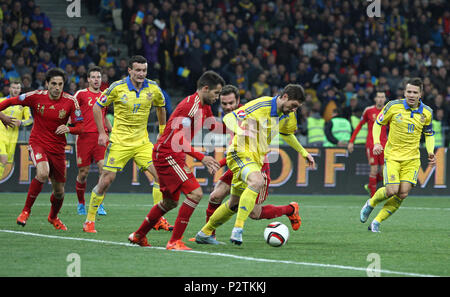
(87, 148)
(376, 162)
(169, 155)
(51, 110)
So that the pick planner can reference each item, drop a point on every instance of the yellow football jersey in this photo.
(21, 113)
(255, 125)
(131, 109)
(405, 128)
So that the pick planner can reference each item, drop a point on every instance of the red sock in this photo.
(56, 206)
(372, 185)
(184, 214)
(272, 211)
(33, 191)
(211, 209)
(80, 189)
(150, 220)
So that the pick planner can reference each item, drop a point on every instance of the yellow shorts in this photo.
(401, 171)
(117, 156)
(8, 148)
(241, 164)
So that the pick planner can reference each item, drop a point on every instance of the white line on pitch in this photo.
(224, 255)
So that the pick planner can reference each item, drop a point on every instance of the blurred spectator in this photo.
(260, 87)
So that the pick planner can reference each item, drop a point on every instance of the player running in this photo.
(51, 109)
(255, 125)
(133, 98)
(229, 101)
(8, 136)
(169, 155)
(376, 162)
(407, 119)
(87, 148)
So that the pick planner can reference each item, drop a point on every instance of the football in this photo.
(276, 234)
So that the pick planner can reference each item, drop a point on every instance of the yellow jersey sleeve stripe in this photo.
(115, 84)
(391, 103)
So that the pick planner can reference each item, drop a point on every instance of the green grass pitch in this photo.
(331, 242)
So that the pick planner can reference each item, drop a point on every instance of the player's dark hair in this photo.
(94, 69)
(230, 89)
(415, 81)
(136, 59)
(210, 79)
(54, 72)
(294, 92)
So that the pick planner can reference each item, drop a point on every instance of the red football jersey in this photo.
(186, 120)
(48, 115)
(87, 99)
(369, 116)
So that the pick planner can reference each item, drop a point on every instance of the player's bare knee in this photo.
(216, 197)
(402, 195)
(42, 175)
(83, 174)
(168, 204)
(58, 193)
(256, 183)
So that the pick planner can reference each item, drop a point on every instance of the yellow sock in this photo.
(389, 208)
(94, 203)
(220, 216)
(157, 194)
(246, 205)
(379, 196)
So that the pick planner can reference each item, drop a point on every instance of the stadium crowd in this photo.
(332, 48)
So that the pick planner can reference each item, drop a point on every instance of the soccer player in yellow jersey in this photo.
(407, 119)
(255, 125)
(8, 136)
(133, 98)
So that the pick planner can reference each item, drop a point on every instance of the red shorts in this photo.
(174, 175)
(88, 150)
(227, 177)
(56, 162)
(374, 160)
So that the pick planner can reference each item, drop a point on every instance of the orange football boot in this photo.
(137, 239)
(56, 222)
(295, 218)
(22, 218)
(89, 227)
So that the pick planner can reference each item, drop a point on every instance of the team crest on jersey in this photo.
(422, 118)
(103, 99)
(78, 112)
(399, 118)
(62, 114)
(241, 114)
(149, 96)
(38, 156)
(392, 177)
(381, 117)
